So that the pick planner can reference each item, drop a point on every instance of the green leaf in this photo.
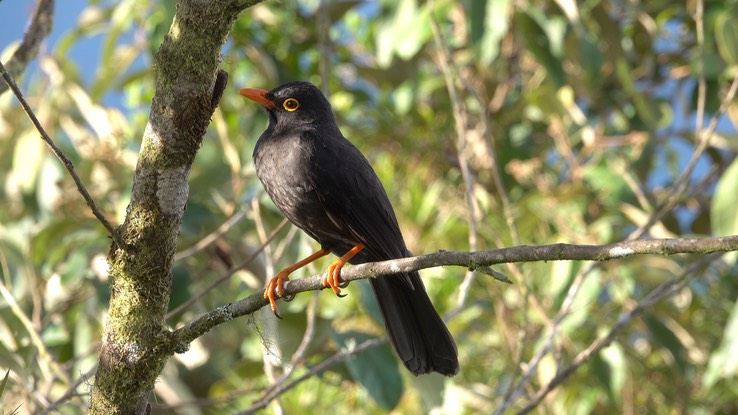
(115, 58)
(369, 302)
(477, 18)
(605, 180)
(538, 43)
(723, 362)
(601, 373)
(46, 246)
(404, 34)
(495, 28)
(376, 369)
(28, 157)
(723, 212)
(581, 308)
(4, 382)
(181, 284)
(12, 357)
(617, 365)
(291, 331)
(726, 36)
(429, 204)
(664, 336)
(431, 389)
(583, 48)
(646, 108)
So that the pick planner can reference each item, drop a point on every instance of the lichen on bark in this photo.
(188, 83)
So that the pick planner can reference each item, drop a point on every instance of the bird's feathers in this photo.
(324, 185)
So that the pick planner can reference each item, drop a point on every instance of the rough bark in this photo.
(188, 87)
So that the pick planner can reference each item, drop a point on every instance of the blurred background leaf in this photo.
(583, 112)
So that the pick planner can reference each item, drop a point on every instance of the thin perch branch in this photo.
(180, 338)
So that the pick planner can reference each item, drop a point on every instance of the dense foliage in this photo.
(491, 123)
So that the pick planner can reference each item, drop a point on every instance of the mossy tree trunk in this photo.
(189, 84)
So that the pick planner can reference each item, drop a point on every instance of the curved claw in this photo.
(274, 288)
(288, 297)
(341, 295)
(332, 278)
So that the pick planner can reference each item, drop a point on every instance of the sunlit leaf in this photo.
(4, 382)
(496, 18)
(617, 365)
(723, 363)
(27, 160)
(584, 301)
(723, 212)
(726, 35)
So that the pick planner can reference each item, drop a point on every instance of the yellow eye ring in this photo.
(291, 104)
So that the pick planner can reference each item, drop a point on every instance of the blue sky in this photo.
(15, 16)
(16, 13)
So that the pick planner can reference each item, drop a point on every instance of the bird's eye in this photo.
(291, 104)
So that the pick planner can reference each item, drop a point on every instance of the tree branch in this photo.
(63, 158)
(189, 84)
(180, 338)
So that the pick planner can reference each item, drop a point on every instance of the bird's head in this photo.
(294, 105)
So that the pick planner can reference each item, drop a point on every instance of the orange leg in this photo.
(276, 284)
(333, 274)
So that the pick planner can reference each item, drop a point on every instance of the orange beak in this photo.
(258, 95)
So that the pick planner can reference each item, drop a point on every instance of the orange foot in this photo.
(276, 284)
(276, 287)
(332, 276)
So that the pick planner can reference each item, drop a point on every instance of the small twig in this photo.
(532, 367)
(460, 117)
(302, 349)
(228, 274)
(65, 161)
(212, 237)
(701, 83)
(270, 346)
(38, 30)
(661, 292)
(323, 24)
(48, 364)
(703, 137)
(307, 338)
(71, 391)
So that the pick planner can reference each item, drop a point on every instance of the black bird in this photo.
(325, 186)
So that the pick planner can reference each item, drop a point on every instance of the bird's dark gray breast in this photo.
(283, 165)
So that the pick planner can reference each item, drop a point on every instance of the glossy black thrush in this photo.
(325, 186)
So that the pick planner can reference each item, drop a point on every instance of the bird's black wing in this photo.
(355, 201)
(354, 198)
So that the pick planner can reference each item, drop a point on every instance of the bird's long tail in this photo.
(417, 333)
